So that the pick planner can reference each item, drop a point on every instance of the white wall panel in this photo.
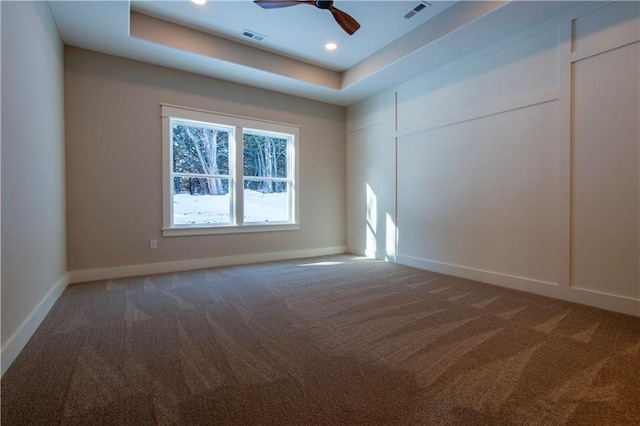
(616, 23)
(605, 215)
(482, 194)
(525, 69)
(371, 112)
(519, 165)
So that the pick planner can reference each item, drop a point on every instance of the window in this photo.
(225, 174)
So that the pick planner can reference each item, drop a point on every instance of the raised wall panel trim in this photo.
(551, 24)
(564, 154)
(606, 301)
(186, 265)
(498, 108)
(19, 339)
(606, 28)
(417, 82)
(376, 110)
(372, 123)
(605, 46)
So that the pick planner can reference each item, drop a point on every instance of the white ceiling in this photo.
(300, 32)
(387, 50)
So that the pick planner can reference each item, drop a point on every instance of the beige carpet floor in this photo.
(324, 341)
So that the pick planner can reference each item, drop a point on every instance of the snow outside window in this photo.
(226, 174)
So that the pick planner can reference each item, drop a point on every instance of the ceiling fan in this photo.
(347, 23)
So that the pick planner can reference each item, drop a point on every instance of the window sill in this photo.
(227, 229)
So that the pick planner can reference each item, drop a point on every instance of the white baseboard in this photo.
(497, 278)
(185, 265)
(19, 339)
(610, 302)
(356, 250)
(373, 254)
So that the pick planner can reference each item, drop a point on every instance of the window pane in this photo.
(200, 150)
(266, 201)
(264, 156)
(200, 201)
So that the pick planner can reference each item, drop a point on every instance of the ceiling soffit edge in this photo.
(177, 36)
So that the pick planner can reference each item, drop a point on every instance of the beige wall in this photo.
(114, 178)
(518, 165)
(33, 182)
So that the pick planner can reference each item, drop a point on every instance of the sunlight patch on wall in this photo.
(391, 237)
(371, 223)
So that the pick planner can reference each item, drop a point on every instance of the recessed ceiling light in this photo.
(331, 46)
(200, 2)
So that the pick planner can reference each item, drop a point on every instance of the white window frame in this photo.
(236, 126)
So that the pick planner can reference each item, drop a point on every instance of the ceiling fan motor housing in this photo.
(323, 4)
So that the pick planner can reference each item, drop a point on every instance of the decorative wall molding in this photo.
(373, 111)
(603, 47)
(578, 38)
(489, 110)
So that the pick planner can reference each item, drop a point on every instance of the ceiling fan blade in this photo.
(277, 4)
(343, 19)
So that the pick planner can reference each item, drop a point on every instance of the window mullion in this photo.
(265, 178)
(238, 181)
(199, 175)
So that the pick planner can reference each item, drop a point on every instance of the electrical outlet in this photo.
(153, 244)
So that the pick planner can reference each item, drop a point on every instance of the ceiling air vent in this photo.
(417, 9)
(253, 35)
